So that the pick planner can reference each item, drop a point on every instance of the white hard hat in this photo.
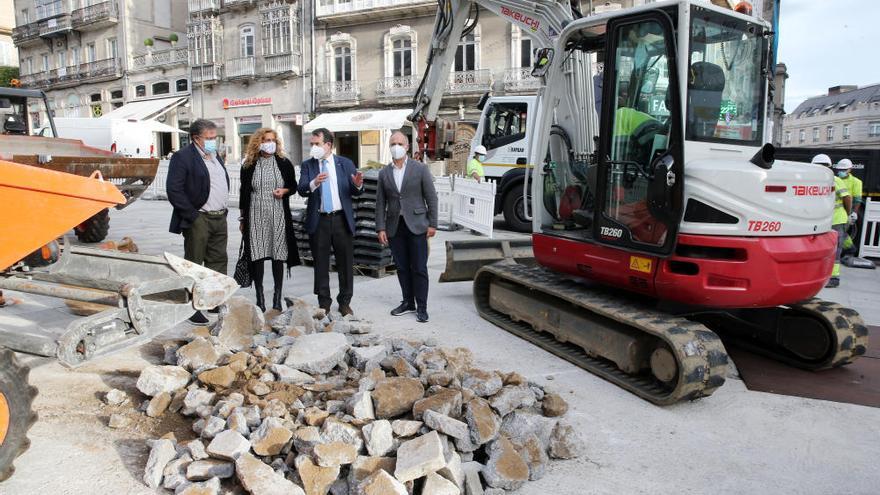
(480, 150)
(822, 159)
(844, 164)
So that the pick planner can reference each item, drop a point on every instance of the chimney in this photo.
(836, 90)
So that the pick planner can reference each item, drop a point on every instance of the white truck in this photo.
(129, 138)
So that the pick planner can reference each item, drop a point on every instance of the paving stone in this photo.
(438, 485)
(161, 453)
(154, 380)
(221, 377)
(405, 428)
(317, 353)
(505, 468)
(364, 466)
(228, 445)
(209, 468)
(419, 456)
(554, 405)
(335, 454)
(286, 374)
(565, 442)
(379, 437)
(258, 478)
(361, 406)
(445, 401)
(483, 383)
(395, 396)
(446, 425)
(381, 483)
(238, 324)
(197, 354)
(158, 405)
(482, 421)
(511, 398)
(210, 487)
(270, 437)
(316, 479)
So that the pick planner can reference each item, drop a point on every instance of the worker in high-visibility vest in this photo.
(843, 169)
(475, 164)
(839, 219)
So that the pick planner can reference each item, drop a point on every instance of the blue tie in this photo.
(326, 193)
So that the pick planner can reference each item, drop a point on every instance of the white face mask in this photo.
(268, 148)
(397, 151)
(317, 152)
(481, 158)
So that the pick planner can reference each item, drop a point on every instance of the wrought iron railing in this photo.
(520, 79)
(397, 86)
(339, 91)
(94, 13)
(342, 7)
(469, 81)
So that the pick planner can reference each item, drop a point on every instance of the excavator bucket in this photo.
(41, 205)
(465, 258)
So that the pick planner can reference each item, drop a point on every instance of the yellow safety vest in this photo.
(840, 192)
(854, 186)
(474, 165)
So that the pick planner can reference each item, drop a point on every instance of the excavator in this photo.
(660, 218)
(143, 295)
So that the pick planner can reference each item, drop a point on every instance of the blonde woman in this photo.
(267, 181)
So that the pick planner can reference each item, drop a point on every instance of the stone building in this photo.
(846, 117)
(8, 55)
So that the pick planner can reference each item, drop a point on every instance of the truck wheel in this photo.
(94, 229)
(16, 415)
(514, 211)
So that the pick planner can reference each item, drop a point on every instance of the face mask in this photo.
(397, 151)
(268, 148)
(317, 152)
(842, 174)
(481, 158)
(210, 146)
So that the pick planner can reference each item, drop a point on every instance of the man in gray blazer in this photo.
(406, 215)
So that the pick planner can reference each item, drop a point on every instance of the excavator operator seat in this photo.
(705, 86)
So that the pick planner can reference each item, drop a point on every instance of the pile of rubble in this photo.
(306, 404)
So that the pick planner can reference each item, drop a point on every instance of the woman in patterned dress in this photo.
(267, 181)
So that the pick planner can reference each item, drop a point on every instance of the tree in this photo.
(7, 74)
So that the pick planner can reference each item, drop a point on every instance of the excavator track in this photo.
(669, 358)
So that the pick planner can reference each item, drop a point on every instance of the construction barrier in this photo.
(870, 242)
(443, 186)
(473, 205)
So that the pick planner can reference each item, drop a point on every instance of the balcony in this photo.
(238, 4)
(204, 6)
(27, 34)
(161, 58)
(281, 63)
(99, 15)
(57, 26)
(73, 75)
(341, 12)
(470, 81)
(206, 73)
(339, 93)
(53, 9)
(244, 67)
(397, 88)
(520, 80)
(35, 80)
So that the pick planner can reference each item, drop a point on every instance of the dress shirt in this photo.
(332, 179)
(398, 174)
(218, 196)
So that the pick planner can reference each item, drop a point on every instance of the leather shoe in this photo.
(422, 316)
(198, 318)
(326, 309)
(345, 310)
(403, 309)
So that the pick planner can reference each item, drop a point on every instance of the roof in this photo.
(145, 109)
(364, 120)
(21, 93)
(864, 94)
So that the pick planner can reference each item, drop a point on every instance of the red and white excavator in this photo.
(660, 217)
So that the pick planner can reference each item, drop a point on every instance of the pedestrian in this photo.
(329, 182)
(839, 219)
(475, 164)
(198, 189)
(853, 184)
(406, 216)
(267, 181)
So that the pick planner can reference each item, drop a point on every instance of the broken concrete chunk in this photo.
(440, 378)
(213, 426)
(161, 453)
(317, 353)
(158, 405)
(519, 424)
(209, 468)
(115, 397)
(482, 421)
(360, 405)
(360, 356)
(453, 470)
(197, 354)
(316, 479)
(379, 437)
(237, 422)
(483, 383)
(335, 430)
(195, 398)
(228, 445)
(472, 483)
(335, 454)
(565, 442)
(221, 377)
(446, 425)
(259, 478)
(511, 398)
(405, 428)
(445, 401)
(395, 396)
(154, 380)
(174, 473)
(270, 437)
(286, 374)
(196, 449)
(381, 483)
(210, 487)
(314, 416)
(306, 438)
(364, 466)
(535, 457)
(419, 456)
(438, 485)
(238, 324)
(554, 405)
(505, 468)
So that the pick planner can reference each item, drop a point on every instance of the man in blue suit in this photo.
(329, 182)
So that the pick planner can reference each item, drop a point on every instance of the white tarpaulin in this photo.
(365, 120)
(146, 109)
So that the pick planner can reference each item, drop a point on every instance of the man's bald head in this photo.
(398, 137)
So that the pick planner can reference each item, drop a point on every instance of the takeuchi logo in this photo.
(523, 18)
(246, 102)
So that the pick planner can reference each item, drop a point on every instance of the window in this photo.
(802, 135)
(466, 54)
(74, 56)
(45, 63)
(787, 137)
(95, 98)
(402, 56)
(25, 16)
(61, 59)
(30, 65)
(342, 63)
(91, 53)
(874, 129)
(161, 88)
(182, 85)
(246, 39)
(112, 48)
(845, 131)
(505, 124)
(277, 25)
(140, 91)
(526, 53)
(829, 133)
(815, 134)
(116, 94)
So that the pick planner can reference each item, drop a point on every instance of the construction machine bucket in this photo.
(41, 205)
(465, 258)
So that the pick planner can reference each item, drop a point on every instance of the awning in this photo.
(364, 120)
(159, 127)
(145, 110)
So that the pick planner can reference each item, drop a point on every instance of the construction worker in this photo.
(475, 165)
(843, 169)
(840, 218)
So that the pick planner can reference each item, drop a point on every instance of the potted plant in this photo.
(173, 39)
(149, 44)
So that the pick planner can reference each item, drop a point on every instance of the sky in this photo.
(825, 43)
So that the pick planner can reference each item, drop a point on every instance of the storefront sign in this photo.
(250, 119)
(288, 117)
(246, 102)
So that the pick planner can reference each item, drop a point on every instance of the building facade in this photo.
(8, 55)
(846, 117)
(249, 69)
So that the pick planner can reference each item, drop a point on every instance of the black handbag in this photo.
(242, 267)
